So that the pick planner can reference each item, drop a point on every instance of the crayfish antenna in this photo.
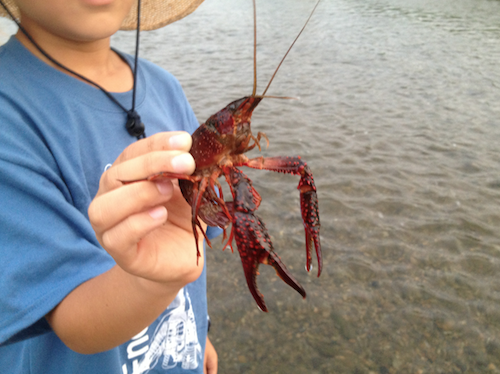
(254, 49)
(254, 91)
(277, 97)
(289, 49)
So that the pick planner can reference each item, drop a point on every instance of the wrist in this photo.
(153, 289)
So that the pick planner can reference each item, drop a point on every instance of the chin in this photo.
(91, 33)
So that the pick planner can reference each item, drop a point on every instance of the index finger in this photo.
(163, 141)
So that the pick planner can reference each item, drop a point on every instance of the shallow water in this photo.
(398, 119)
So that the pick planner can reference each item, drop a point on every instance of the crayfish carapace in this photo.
(218, 149)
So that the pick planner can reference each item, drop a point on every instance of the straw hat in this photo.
(154, 13)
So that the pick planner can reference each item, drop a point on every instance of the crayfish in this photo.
(219, 147)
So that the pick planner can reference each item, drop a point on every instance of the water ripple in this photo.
(398, 118)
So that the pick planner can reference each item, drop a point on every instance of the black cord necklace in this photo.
(134, 125)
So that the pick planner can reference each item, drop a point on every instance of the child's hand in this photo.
(146, 226)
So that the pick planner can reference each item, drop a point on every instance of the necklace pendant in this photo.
(134, 125)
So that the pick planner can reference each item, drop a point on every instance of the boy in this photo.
(97, 276)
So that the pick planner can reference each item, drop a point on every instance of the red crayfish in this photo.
(218, 149)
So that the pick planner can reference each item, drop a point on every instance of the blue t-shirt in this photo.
(57, 136)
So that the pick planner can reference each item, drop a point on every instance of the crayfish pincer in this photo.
(219, 147)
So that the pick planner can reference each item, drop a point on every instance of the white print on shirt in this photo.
(175, 338)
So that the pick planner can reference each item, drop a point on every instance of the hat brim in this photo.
(159, 13)
(154, 13)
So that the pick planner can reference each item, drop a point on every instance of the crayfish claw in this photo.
(255, 248)
(308, 198)
(283, 273)
(310, 218)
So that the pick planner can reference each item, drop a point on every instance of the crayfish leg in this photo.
(198, 191)
(229, 242)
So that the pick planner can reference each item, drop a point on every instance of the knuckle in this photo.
(133, 228)
(96, 216)
(108, 242)
(152, 142)
(109, 179)
(128, 153)
(149, 163)
(119, 236)
(143, 193)
(159, 161)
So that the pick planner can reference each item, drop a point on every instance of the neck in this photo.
(92, 59)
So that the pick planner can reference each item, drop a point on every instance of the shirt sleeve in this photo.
(47, 246)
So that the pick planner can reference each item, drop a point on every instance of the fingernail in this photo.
(158, 212)
(181, 141)
(165, 188)
(183, 163)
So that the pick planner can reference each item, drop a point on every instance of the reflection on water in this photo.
(399, 120)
